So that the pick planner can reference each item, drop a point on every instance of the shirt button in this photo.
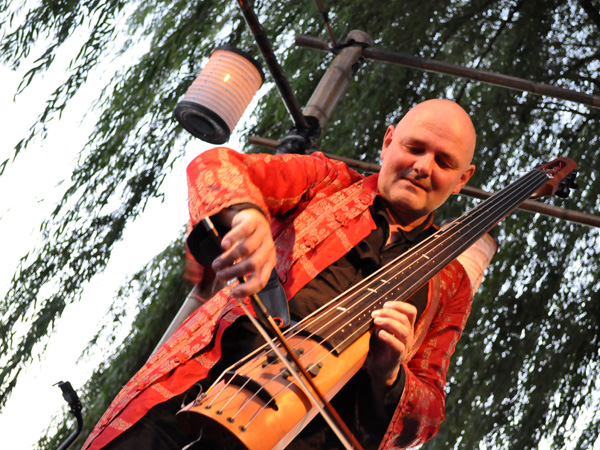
(340, 218)
(310, 242)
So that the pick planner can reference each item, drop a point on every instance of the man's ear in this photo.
(464, 178)
(387, 139)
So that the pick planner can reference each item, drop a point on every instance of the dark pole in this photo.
(72, 399)
(483, 76)
(274, 68)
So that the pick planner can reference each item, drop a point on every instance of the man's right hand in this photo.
(248, 250)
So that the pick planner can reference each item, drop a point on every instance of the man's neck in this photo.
(406, 224)
(410, 231)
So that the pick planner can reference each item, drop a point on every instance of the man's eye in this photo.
(443, 163)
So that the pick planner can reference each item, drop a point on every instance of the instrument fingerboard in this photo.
(349, 317)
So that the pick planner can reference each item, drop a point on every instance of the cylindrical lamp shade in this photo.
(477, 258)
(214, 103)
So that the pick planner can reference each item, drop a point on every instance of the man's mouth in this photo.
(415, 183)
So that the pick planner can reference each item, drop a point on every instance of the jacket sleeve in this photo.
(276, 184)
(420, 412)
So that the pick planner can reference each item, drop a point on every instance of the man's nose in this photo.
(423, 164)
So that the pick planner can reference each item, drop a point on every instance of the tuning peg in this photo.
(571, 180)
(565, 186)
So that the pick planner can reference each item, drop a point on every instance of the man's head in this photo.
(425, 158)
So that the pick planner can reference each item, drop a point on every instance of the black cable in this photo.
(325, 15)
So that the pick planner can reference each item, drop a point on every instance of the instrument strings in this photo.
(437, 251)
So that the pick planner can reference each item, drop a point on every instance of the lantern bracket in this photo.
(300, 140)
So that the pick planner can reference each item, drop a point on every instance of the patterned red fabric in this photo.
(319, 210)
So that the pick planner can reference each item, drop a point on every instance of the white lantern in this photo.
(216, 100)
(477, 257)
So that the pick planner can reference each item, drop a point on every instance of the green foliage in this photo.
(123, 164)
(160, 292)
(526, 367)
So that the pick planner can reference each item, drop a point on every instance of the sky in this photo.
(31, 186)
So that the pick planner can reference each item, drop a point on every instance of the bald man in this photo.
(425, 159)
(323, 227)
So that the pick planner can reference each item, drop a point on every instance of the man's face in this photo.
(425, 159)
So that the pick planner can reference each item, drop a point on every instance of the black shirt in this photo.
(361, 261)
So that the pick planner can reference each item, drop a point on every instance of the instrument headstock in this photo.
(561, 178)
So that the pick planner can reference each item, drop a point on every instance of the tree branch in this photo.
(593, 11)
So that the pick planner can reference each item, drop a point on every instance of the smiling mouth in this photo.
(415, 183)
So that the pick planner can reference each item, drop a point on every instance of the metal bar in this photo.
(483, 76)
(75, 407)
(528, 205)
(542, 208)
(192, 302)
(335, 81)
(275, 69)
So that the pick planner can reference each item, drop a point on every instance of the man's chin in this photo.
(404, 207)
(409, 199)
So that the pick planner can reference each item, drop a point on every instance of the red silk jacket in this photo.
(319, 210)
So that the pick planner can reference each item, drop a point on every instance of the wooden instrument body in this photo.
(224, 409)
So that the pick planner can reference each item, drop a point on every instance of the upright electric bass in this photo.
(258, 404)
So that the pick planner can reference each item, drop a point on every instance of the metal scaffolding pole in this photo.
(482, 76)
(262, 41)
(528, 205)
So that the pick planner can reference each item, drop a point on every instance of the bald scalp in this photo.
(452, 116)
(426, 158)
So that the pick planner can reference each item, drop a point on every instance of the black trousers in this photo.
(159, 429)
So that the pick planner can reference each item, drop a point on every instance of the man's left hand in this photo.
(394, 334)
